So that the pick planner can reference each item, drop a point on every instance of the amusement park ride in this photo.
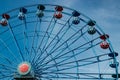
(53, 42)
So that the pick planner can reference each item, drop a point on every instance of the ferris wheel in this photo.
(53, 42)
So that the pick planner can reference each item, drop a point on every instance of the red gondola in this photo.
(58, 15)
(4, 22)
(104, 45)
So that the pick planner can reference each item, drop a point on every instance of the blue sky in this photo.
(105, 12)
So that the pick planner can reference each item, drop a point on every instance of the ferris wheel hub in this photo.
(24, 68)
